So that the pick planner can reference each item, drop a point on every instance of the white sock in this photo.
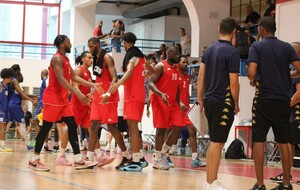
(98, 152)
(165, 148)
(56, 144)
(62, 151)
(90, 155)
(8, 125)
(136, 157)
(77, 157)
(141, 153)
(2, 143)
(35, 157)
(157, 155)
(126, 154)
(23, 132)
(194, 155)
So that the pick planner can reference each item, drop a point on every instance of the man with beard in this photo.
(57, 105)
(104, 106)
(165, 103)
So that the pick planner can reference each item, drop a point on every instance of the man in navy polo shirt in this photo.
(269, 72)
(218, 92)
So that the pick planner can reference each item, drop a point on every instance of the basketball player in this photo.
(184, 86)
(104, 107)
(6, 75)
(16, 95)
(81, 112)
(57, 105)
(164, 83)
(134, 66)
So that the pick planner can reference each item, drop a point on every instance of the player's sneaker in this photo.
(160, 164)
(143, 162)
(85, 164)
(170, 162)
(216, 185)
(62, 161)
(5, 149)
(132, 167)
(282, 187)
(38, 166)
(279, 177)
(55, 149)
(46, 148)
(30, 146)
(123, 162)
(104, 160)
(256, 187)
(196, 163)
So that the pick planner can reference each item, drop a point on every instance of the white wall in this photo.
(287, 19)
(205, 17)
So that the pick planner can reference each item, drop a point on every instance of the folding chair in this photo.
(272, 152)
(150, 141)
(202, 145)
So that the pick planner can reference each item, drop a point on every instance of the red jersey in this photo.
(184, 86)
(134, 87)
(86, 75)
(105, 79)
(168, 82)
(55, 93)
(97, 32)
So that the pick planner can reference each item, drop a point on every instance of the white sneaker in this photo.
(205, 185)
(216, 185)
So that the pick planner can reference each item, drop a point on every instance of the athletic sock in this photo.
(62, 151)
(77, 157)
(98, 152)
(165, 148)
(2, 143)
(90, 155)
(141, 153)
(157, 155)
(194, 155)
(35, 157)
(126, 154)
(136, 157)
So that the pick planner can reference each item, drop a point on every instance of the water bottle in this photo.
(223, 153)
(178, 147)
(187, 150)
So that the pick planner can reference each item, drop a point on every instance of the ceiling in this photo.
(148, 9)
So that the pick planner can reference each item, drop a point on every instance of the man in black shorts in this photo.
(218, 92)
(269, 72)
(294, 118)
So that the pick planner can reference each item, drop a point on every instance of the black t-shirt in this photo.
(269, 11)
(273, 73)
(295, 109)
(253, 17)
(220, 59)
(27, 117)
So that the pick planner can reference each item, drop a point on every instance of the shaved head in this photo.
(296, 46)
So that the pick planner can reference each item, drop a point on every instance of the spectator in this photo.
(252, 16)
(179, 48)
(161, 53)
(185, 42)
(98, 30)
(270, 8)
(250, 36)
(116, 35)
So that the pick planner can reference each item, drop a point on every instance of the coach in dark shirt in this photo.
(269, 72)
(218, 92)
